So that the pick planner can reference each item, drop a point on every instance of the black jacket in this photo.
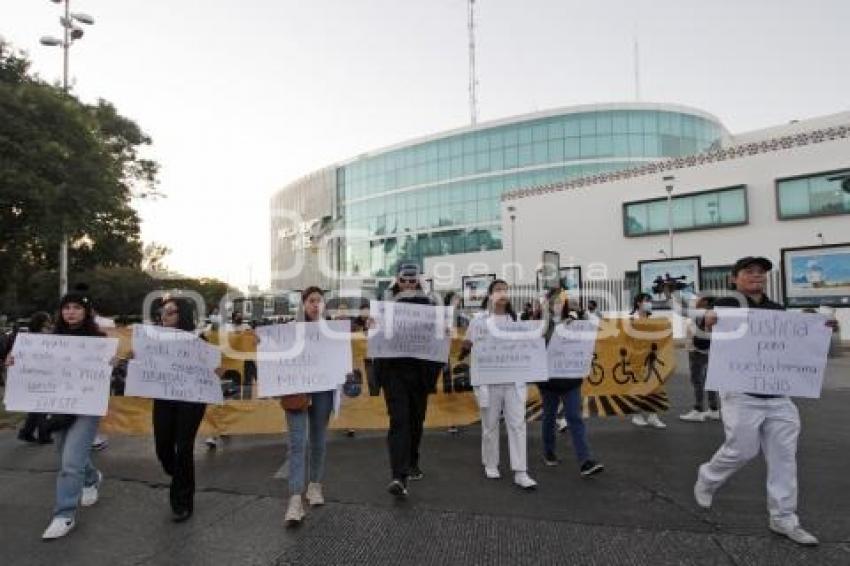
(730, 301)
(387, 368)
(557, 384)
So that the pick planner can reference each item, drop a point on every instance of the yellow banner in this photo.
(632, 361)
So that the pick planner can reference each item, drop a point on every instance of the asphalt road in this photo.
(639, 511)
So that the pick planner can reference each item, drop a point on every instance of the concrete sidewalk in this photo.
(639, 511)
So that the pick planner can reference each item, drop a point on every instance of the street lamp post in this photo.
(669, 188)
(512, 210)
(71, 32)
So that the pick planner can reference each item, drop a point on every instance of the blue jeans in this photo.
(75, 466)
(572, 408)
(316, 419)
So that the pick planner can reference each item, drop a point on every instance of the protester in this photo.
(406, 383)
(698, 361)
(592, 310)
(642, 310)
(567, 391)
(176, 423)
(33, 429)
(752, 422)
(307, 417)
(78, 482)
(493, 400)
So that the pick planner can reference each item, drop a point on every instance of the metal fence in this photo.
(612, 295)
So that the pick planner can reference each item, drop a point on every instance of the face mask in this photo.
(646, 307)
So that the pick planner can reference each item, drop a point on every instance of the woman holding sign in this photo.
(175, 423)
(406, 383)
(568, 390)
(496, 399)
(642, 310)
(307, 416)
(78, 482)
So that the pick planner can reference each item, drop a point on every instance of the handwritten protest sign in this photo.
(507, 352)
(60, 374)
(174, 365)
(159, 342)
(405, 330)
(303, 357)
(768, 352)
(570, 349)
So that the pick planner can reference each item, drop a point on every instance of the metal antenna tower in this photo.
(637, 71)
(473, 81)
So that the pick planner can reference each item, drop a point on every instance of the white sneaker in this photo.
(523, 480)
(703, 495)
(712, 415)
(652, 419)
(100, 442)
(562, 424)
(294, 511)
(693, 416)
(639, 420)
(795, 533)
(92, 492)
(492, 473)
(314, 494)
(58, 528)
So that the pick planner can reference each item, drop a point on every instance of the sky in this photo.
(243, 97)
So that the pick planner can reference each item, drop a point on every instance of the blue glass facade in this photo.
(442, 196)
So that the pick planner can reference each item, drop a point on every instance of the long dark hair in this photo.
(305, 294)
(87, 328)
(38, 321)
(185, 313)
(509, 309)
(639, 298)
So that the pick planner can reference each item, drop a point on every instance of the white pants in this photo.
(751, 423)
(494, 400)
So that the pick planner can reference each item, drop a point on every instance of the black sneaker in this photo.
(591, 467)
(550, 459)
(415, 474)
(24, 437)
(398, 489)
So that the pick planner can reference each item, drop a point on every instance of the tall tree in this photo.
(64, 167)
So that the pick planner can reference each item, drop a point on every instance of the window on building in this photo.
(812, 195)
(695, 211)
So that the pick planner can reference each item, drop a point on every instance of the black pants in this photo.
(33, 428)
(406, 395)
(175, 424)
(699, 367)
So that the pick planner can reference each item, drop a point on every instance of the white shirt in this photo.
(477, 329)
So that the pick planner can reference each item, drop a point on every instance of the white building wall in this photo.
(448, 270)
(585, 224)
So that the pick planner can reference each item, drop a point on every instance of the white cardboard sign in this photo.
(60, 374)
(768, 352)
(173, 365)
(406, 330)
(570, 349)
(303, 357)
(509, 352)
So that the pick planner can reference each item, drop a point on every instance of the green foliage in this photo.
(119, 291)
(64, 167)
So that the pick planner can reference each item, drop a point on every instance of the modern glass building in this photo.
(440, 195)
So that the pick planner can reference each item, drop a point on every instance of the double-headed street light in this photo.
(71, 33)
